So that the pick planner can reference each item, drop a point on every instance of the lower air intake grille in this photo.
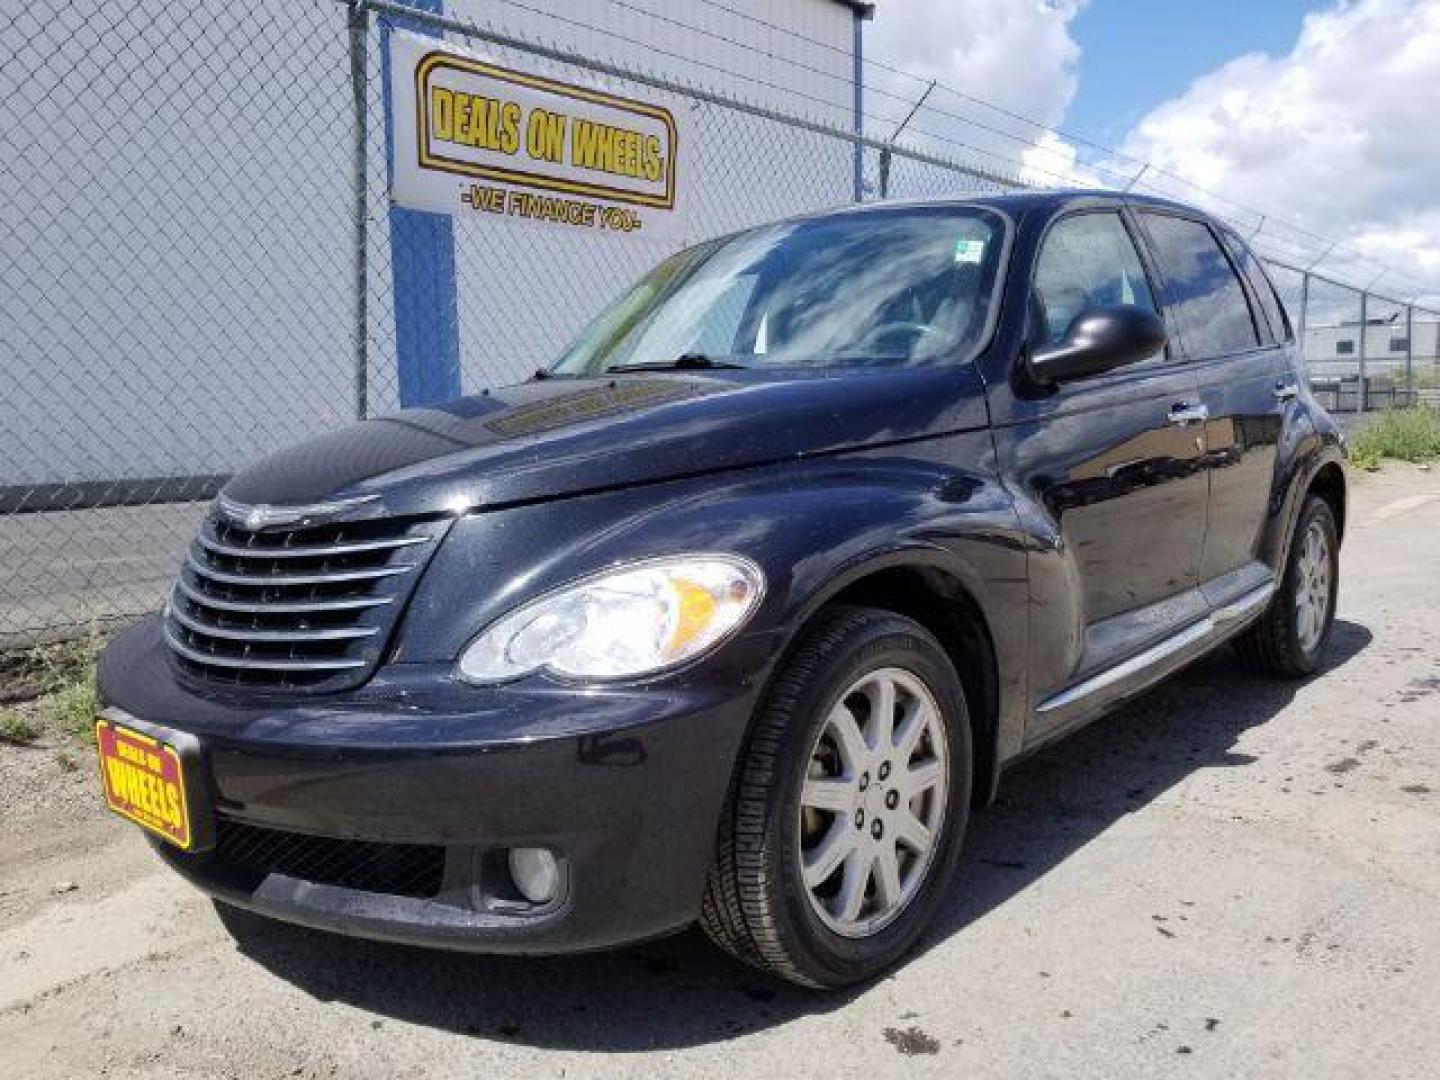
(414, 870)
(306, 607)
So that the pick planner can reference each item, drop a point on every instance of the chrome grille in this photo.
(305, 607)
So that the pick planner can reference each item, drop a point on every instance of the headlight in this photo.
(627, 622)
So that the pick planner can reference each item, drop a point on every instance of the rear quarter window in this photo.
(1261, 285)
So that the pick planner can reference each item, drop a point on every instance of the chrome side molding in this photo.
(1244, 605)
(1247, 604)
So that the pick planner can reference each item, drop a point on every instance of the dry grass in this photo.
(50, 688)
(1402, 434)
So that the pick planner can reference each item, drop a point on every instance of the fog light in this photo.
(535, 873)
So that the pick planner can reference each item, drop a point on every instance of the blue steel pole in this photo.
(422, 268)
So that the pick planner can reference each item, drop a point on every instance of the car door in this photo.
(1237, 363)
(1110, 469)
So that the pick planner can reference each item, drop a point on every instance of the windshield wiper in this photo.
(690, 361)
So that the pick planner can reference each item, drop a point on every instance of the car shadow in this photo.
(682, 992)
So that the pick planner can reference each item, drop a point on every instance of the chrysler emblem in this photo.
(256, 516)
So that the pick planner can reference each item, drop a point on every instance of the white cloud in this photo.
(1017, 54)
(1054, 162)
(1339, 135)
(1014, 54)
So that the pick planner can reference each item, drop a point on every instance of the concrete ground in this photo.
(1232, 877)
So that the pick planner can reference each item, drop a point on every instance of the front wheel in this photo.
(1290, 639)
(846, 817)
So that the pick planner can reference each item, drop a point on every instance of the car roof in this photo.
(1013, 203)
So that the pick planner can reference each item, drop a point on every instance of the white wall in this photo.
(174, 234)
(1323, 356)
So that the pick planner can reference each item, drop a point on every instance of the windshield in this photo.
(883, 288)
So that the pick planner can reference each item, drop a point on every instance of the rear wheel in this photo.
(849, 807)
(1290, 639)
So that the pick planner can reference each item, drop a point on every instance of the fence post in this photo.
(1409, 354)
(358, 20)
(858, 16)
(1364, 378)
(1304, 310)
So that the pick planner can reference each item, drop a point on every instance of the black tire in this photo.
(1272, 644)
(756, 906)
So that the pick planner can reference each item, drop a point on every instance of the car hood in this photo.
(565, 436)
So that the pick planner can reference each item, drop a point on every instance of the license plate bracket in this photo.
(152, 776)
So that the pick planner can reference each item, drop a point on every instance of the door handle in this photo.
(1188, 412)
(1285, 391)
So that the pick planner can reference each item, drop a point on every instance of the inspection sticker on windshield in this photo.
(472, 136)
(144, 781)
(969, 251)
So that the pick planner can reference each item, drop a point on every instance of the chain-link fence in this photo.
(200, 257)
(175, 254)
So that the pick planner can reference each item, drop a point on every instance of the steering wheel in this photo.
(900, 326)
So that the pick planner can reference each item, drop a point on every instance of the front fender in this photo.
(814, 527)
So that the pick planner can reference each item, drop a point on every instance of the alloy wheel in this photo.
(1312, 587)
(873, 802)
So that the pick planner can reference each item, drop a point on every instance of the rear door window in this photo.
(1200, 288)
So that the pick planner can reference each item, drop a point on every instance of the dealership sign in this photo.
(473, 137)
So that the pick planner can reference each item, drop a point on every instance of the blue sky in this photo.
(1326, 127)
(1138, 53)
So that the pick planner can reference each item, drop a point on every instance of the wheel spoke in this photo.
(887, 876)
(882, 715)
(922, 777)
(852, 886)
(847, 735)
(912, 832)
(836, 796)
(912, 725)
(837, 845)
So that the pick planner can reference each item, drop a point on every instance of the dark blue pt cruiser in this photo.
(734, 613)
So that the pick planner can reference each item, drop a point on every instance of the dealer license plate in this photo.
(144, 781)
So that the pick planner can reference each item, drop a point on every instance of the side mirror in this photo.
(1098, 340)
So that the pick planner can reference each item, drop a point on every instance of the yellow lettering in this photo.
(509, 127)
(615, 150)
(462, 118)
(116, 769)
(545, 136)
(442, 113)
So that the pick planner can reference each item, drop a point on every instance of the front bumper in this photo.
(625, 785)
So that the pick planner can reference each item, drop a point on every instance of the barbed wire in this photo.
(1333, 248)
